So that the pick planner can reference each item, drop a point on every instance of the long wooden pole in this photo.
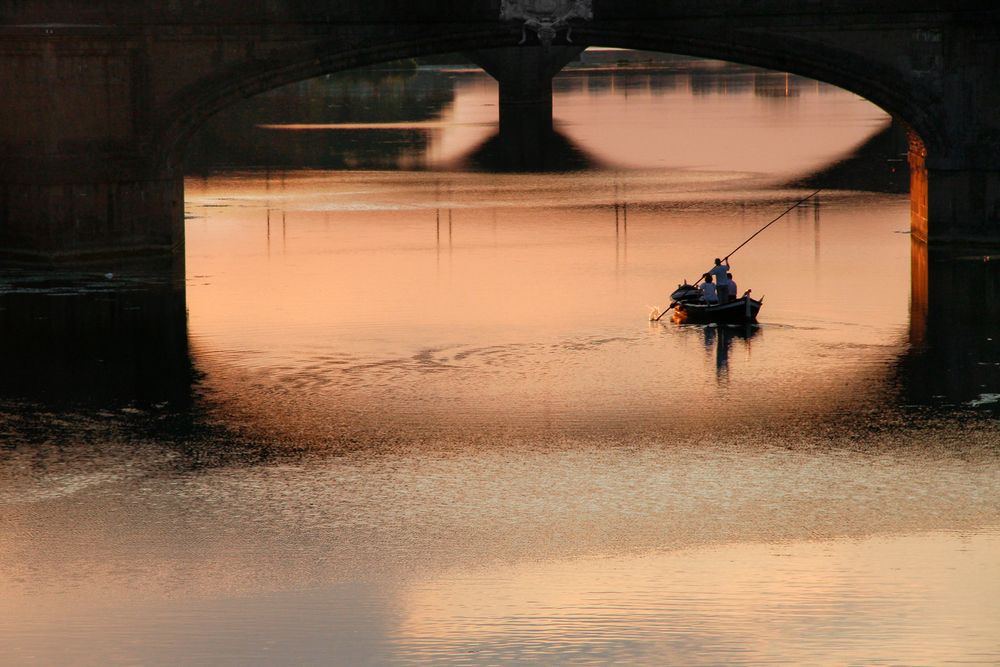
(733, 252)
(793, 206)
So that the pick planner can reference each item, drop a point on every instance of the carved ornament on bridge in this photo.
(546, 17)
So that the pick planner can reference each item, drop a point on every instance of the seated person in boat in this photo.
(708, 290)
(720, 273)
(733, 290)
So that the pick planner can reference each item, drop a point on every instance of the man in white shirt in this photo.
(720, 273)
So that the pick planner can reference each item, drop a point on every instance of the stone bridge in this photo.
(101, 97)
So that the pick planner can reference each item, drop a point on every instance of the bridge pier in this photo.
(527, 137)
(953, 201)
(79, 219)
(963, 204)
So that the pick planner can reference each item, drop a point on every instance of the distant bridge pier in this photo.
(525, 76)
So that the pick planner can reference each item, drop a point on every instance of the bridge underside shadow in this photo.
(878, 165)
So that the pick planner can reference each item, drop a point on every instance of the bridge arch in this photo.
(866, 78)
(220, 90)
(104, 99)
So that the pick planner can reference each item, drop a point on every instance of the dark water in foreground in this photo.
(422, 417)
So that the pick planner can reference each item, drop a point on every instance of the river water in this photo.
(419, 415)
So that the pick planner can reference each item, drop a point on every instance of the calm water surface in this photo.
(421, 417)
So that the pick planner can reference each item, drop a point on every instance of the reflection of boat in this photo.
(691, 308)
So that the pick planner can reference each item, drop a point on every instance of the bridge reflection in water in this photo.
(95, 341)
(954, 355)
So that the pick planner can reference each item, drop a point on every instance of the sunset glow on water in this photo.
(429, 421)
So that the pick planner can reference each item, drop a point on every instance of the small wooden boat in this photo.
(739, 311)
(691, 308)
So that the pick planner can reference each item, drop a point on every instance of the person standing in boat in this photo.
(720, 272)
(733, 290)
(708, 290)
